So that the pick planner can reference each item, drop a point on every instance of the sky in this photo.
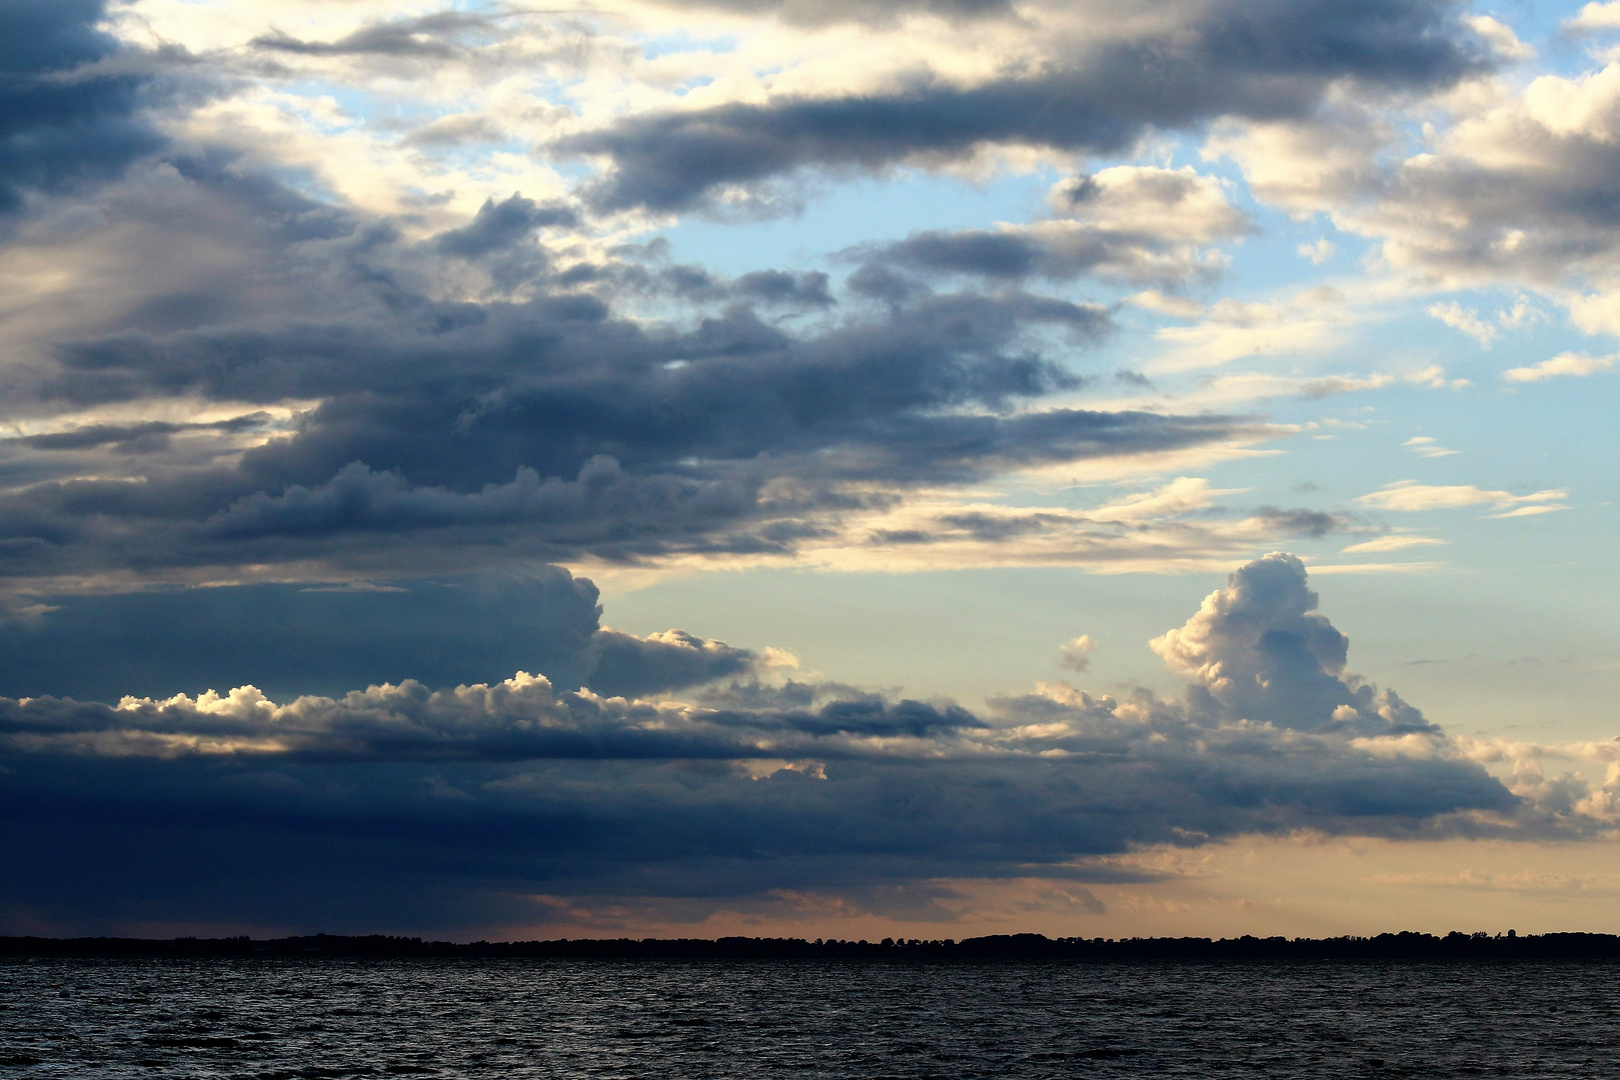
(909, 468)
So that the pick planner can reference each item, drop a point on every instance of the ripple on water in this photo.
(279, 1019)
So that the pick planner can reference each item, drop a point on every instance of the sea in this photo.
(280, 1018)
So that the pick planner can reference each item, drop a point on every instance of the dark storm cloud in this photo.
(481, 792)
(59, 128)
(379, 523)
(292, 640)
(624, 665)
(437, 436)
(553, 428)
(1270, 59)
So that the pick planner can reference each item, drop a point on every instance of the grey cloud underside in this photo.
(1264, 60)
(59, 130)
(1011, 256)
(146, 437)
(482, 793)
(436, 36)
(1551, 213)
(375, 522)
(571, 428)
(546, 426)
(292, 640)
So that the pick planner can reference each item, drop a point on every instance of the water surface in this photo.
(283, 1018)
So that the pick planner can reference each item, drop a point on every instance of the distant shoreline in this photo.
(1407, 946)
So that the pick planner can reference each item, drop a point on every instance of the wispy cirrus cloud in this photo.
(1411, 496)
(1573, 364)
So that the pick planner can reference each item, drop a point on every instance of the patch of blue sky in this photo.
(1540, 24)
(692, 84)
(683, 42)
(358, 108)
(841, 213)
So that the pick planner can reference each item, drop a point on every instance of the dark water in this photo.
(555, 1018)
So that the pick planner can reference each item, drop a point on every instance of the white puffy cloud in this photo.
(1597, 15)
(1258, 650)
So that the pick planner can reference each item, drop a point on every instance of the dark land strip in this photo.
(1455, 947)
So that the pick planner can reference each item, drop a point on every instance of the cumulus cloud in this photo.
(1595, 16)
(307, 355)
(1518, 189)
(549, 427)
(796, 786)
(1076, 655)
(297, 639)
(1258, 650)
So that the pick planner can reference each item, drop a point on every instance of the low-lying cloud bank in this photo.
(471, 801)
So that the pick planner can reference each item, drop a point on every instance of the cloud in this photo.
(629, 666)
(292, 639)
(1427, 446)
(1318, 252)
(473, 797)
(1411, 496)
(431, 37)
(1595, 17)
(1563, 364)
(63, 123)
(1467, 321)
(1432, 376)
(501, 225)
(1258, 650)
(542, 426)
(822, 12)
(1174, 527)
(1233, 329)
(1133, 224)
(1518, 189)
(1076, 655)
(1390, 543)
(1266, 61)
